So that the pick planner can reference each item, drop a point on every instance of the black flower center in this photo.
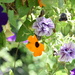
(36, 44)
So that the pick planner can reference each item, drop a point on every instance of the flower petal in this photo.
(39, 50)
(1, 9)
(37, 53)
(41, 47)
(3, 18)
(43, 26)
(12, 38)
(31, 47)
(40, 3)
(26, 41)
(1, 28)
(32, 39)
(67, 52)
(72, 72)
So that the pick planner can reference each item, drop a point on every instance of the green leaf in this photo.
(31, 3)
(72, 2)
(22, 10)
(12, 19)
(28, 23)
(50, 3)
(4, 7)
(7, 1)
(68, 29)
(60, 3)
(11, 72)
(48, 67)
(65, 30)
(23, 33)
(61, 72)
(51, 61)
(60, 25)
(42, 72)
(2, 40)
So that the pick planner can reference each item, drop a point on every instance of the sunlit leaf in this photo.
(11, 72)
(7, 1)
(61, 72)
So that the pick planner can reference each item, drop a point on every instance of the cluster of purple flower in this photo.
(43, 26)
(67, 52)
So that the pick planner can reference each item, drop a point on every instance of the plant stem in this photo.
(16, 57)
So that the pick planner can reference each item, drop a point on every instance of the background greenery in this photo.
(21, 15)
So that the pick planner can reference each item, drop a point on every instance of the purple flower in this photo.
(1, 9)
(13, 38)
(3, 18)
(25, 41)
(43, 26)
(67, 52)
(72, 72)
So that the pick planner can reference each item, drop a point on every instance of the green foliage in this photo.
(24, 32)
(63, 27)
(60, 3)
(61, 72)
(11, 72)
(22, 10)
(66, 30)
(12, 19)
(72, 2)
(21, 16)
(7, 1)
(2, 40)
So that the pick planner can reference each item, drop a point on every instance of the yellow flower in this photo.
(35, 46)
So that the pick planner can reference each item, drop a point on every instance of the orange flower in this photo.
(35, 46)
(40, 3)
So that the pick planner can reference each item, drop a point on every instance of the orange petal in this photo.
(41, 47)
(40, 3)
(39, 50)
(32, 39)
(31, 47)
(37, 53)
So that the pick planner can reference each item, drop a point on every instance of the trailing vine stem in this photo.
(16, 57)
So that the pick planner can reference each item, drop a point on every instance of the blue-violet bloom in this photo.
(3, 18)
(67, 52)
(43, 26)
(72, 72)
